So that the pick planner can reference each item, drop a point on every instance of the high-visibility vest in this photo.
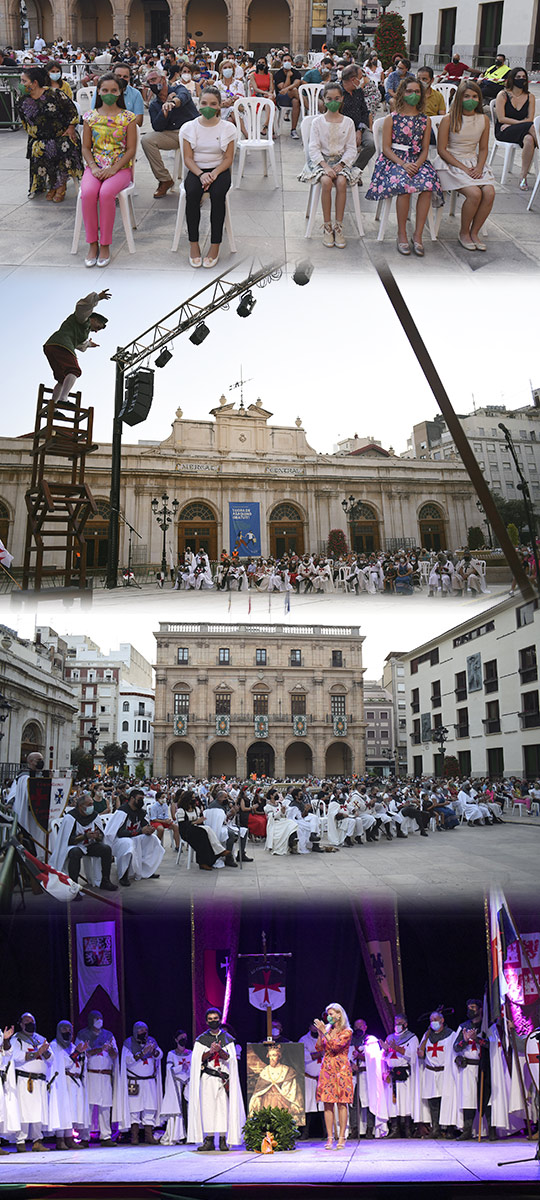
(497, 74)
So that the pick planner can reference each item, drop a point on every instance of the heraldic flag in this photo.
(267, 983)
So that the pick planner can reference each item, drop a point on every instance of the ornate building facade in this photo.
(38, 702)
(238, 459)
(254, 24)
(268, 700)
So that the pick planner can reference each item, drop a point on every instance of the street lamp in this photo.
(164, 516)
(485, 522)
(5, 709)
(440, 735)
(92, 736)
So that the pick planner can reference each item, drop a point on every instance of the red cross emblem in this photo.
(434, 1049)
(266, 987)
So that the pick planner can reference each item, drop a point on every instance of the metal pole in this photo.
(454, 425)
(164, 549)
(116, 462)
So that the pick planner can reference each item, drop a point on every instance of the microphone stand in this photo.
(132, 530)
(523, 487)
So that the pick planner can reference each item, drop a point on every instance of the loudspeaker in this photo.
(8, 113)
(139, 396)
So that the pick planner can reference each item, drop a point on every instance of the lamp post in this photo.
(440, 735)
(92, 737)
(485, 522)
(5, 709)
(164, 516)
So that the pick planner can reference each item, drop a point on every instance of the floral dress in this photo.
(109, 135)
(335, 1084)
(54, 157)
(389, 179)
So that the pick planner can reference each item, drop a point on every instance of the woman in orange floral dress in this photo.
(335, 1084)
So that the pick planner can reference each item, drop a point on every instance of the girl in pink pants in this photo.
(109, 146)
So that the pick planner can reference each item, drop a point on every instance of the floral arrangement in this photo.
(389, 38)
(275, 1124)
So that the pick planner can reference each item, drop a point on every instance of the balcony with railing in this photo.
(530, 720)
(492, 725)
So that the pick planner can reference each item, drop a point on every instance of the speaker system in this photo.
(138, 396)
(9, 117)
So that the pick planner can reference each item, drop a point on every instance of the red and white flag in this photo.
(6, 558)
(54, 883)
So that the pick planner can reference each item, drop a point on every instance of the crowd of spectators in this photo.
(195, 90)
(402, 572)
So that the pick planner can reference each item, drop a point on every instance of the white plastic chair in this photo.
(308, 94)
(84, 99)
(425, 569)
(189, 854)
(255, 113)
(315, 189)
(448, 91)
(519, 804)
(384, 205)
(509, 148)
(537, 184)
(125, 204)
(181, 210)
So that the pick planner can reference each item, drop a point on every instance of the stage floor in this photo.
(383, 1161)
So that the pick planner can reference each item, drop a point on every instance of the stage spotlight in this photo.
(303, 272)
(247, 304)
(163, 358)
(200, 332)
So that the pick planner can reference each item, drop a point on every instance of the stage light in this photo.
(199, 334)
(247, 304)
(303, 272)
(163, 358)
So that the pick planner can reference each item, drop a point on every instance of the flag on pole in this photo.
(54, 883)
(6, 558)
(502, 932)
(96, 961)
(267, 983)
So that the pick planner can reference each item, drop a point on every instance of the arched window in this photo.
(125, 726)
(197, 529)
(286, 530)
(125, 706)
(365, 536)
(198, 511)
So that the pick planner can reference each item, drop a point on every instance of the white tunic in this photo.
(32, 1085)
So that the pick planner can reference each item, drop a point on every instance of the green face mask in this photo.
(332, 105)
(24, 89)
(470, 105)
(412, 98)
(208, 112)
(109, 98)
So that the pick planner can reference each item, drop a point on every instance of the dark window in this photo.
(530, 710)
(260, 658)
(260, 704)
(384, 735)
(491, 678)
(371, 734)
(492, 723)
(416, 736)
(464, 760)
(384, 716)
(125, 726)
(224, 656)
(337, 658)
(472, 634)
(461, 686)
(525, 613)
(223, 704)
(431, 656)
(125, 706)
(462, 728)
(495, 761)
(436, 693)
(183, 654)
(490, 29)
(415, 34)
(181, 703)
(528, 665)
(531, 761)
(370, 716)
(337, 706)
(141, 708)
(448, 31)
(415, 700)
(298, 706)
(296, 658)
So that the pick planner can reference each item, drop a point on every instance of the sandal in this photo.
(340, 1145)
(329, 1145)
(403, 248)
(59, 195)
(418, 249)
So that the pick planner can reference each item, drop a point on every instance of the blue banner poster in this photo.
(245, 529)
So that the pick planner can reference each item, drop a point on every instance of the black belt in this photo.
(432, 1067)
(29, 1075)
(96, 1071)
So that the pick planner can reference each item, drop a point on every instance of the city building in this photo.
(479, 681)
(135, 726)
(475, 31)
(269, 700)
(393, 680)
(431, 440)
(99, 681)
(38, 705)
(290, 495)
(379, 718)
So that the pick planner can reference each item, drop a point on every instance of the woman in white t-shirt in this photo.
(209, 145)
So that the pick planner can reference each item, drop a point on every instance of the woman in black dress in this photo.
(514, 117)
(192, 830)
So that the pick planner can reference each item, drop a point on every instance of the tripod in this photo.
(132, 531)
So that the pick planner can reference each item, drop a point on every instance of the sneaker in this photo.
(328, 236)
(295, 135)
(339, 240)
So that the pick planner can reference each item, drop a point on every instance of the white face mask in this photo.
(228, 72)
(98, 1024)
(186, 77)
